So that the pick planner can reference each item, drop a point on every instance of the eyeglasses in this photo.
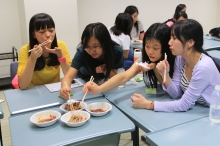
(91, 48)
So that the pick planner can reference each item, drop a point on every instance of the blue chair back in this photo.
(217, 60)
(13, 69)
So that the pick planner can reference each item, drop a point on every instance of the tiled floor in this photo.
(125, 139)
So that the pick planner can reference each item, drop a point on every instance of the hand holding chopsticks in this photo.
(164, 75)
(42, 44)
(91, 80)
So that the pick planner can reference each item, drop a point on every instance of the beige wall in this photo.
(71, 17)
(150, 11)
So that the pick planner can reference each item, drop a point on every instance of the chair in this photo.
(13, 70)
(217, 60)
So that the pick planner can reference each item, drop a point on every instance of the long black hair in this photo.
(179, 8)
(100, 32)
(38, 22)
(123, 24)
(185, 30)
(131, 10)
(180, 14)
(161, 33)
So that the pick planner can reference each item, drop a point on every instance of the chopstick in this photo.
(42, 44)
(71, 106)
(91, 80)
(164, 75)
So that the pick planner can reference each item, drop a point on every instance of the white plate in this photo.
(66, 117)
(98, 105)
(45, 114)
(63, 105)
(137, 42)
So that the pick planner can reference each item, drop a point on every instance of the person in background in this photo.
(181, 15)
(155, 45)
(97, 56)
(137, 32)
(180, 7)
(120, 33)
(40, 64)
(195, 72)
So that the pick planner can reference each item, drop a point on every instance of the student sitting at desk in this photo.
(180, 7)
(120, 33)
(137, 32)
(97, 56)
(155, 44)
(40, 64)
(195, 72)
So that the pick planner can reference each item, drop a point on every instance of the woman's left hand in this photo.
(56, 51)
(140, 101)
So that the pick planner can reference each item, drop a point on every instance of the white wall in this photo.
(64, 14)
(105, 11)
(71, 17)
(10, 32)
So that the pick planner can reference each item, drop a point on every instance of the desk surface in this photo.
(60, 134)
(201, 132)
(210, 44)
(38, 98)
(128, 86)
(1, 113)
(149, 120)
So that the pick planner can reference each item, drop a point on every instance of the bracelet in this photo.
(152, 105)
(62, 59)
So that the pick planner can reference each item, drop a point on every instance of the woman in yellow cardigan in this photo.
(40, 64)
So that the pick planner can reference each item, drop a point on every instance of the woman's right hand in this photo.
(161, 66)
(36, 52)
(64, 92)
(92, 88)
(150, 66)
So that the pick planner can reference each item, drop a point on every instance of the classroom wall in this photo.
(10, 32)
(71, 17)
(204, 11)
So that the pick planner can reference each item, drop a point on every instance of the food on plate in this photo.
(136, 41)
(76, 118)
(46, 119)
(98, 110)
(73, 106)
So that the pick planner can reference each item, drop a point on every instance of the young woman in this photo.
(195, 72)
(42, 64)
(181, 15)
(180, 7)
(97, 56)
(137, 32)
(120, 33)
(155, 44)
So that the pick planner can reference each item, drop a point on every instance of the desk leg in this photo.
(1, 134)
(135, 136)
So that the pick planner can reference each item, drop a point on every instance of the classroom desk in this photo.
(1, 112)
(23, 132)
(201, 132)
(38, 98)
(150, 121)
(210, 44)
(128, 86)
(1, 117)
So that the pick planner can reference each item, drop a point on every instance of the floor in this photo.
(125, 139)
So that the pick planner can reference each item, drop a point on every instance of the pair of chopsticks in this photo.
(42, 44)
(70, 99)
(91, 80)
(164, 75)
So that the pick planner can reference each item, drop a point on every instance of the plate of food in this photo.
(137, 42)
(75, 118)
(73, 106)
(45, 118)
(98, 108)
